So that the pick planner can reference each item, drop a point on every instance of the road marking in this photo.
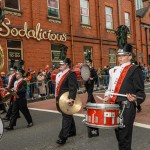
(83, 115)
(142, 125)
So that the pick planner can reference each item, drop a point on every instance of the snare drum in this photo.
(1, 128)
(102, 115)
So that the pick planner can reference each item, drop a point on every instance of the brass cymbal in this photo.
(65, 108)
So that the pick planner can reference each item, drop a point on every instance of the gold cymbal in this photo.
(65, 108)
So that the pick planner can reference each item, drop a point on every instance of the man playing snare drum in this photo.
(125, 79)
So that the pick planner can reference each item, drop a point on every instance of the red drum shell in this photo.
(53, 75)
(102, 115)
(76, 69)
(3, 93)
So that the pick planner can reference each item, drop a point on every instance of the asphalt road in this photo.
(43, 136)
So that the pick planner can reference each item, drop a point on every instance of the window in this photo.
(87, 53)
(84, 11)
(139, 4)
(53, 8)
(127, 19)
(14, 52)
(112, 57)
(58, 52)
(13, 4)
(109, 19)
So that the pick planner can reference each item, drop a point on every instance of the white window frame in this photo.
(112, 56)
(81, 7)
(110, 16)
(54, 8)
(127, 20)
(86, 49)
(13, 8)
(139, 4)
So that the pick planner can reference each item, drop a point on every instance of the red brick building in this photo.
(38, 31)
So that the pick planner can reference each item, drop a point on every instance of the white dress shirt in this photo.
(59, 76)
(16, 83)
(114, 76)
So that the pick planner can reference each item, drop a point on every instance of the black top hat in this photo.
(13, 68)
(65, 61)
(21, 71)
(127, 49)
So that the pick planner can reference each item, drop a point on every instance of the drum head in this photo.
(1, 128)
(85, 72)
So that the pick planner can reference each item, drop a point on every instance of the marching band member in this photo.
(89, 85)
(19, 101)
(126, 79)
(11, 80)
(66, 81)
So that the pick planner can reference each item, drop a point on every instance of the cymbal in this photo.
(65, 108)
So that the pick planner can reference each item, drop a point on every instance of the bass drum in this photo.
(76, 69)
(1, 128)
(53, 75)
(85, 72)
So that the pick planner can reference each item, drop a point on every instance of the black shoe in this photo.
(139, 109)
(30, 125)
(72, 134)
(9, 128)
(61, 141)
(6, 119)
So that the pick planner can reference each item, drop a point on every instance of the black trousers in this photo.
(68, 126)
(124, 135)
(89, 89)
(22, 106)
(9, 112)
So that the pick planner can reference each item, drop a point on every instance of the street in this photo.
(47, 124)
(43, 136)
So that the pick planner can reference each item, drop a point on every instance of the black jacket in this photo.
(133, 83)
(70, 85)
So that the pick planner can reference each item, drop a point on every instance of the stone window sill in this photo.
(54, 20)
(86, 26)
(11, 11)
(110, 31)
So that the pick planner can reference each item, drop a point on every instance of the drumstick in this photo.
(100, 98)
(123, 95)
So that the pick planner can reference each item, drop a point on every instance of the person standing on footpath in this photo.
(125, 79)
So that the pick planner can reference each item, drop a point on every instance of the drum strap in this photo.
(119, 83)
(60, 82)
(19, 83)
(11, 80)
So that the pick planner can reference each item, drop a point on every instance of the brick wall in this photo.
(37, 54)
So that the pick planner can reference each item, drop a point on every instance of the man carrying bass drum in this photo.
(89, 86)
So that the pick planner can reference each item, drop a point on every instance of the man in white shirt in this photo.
(125, 79)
